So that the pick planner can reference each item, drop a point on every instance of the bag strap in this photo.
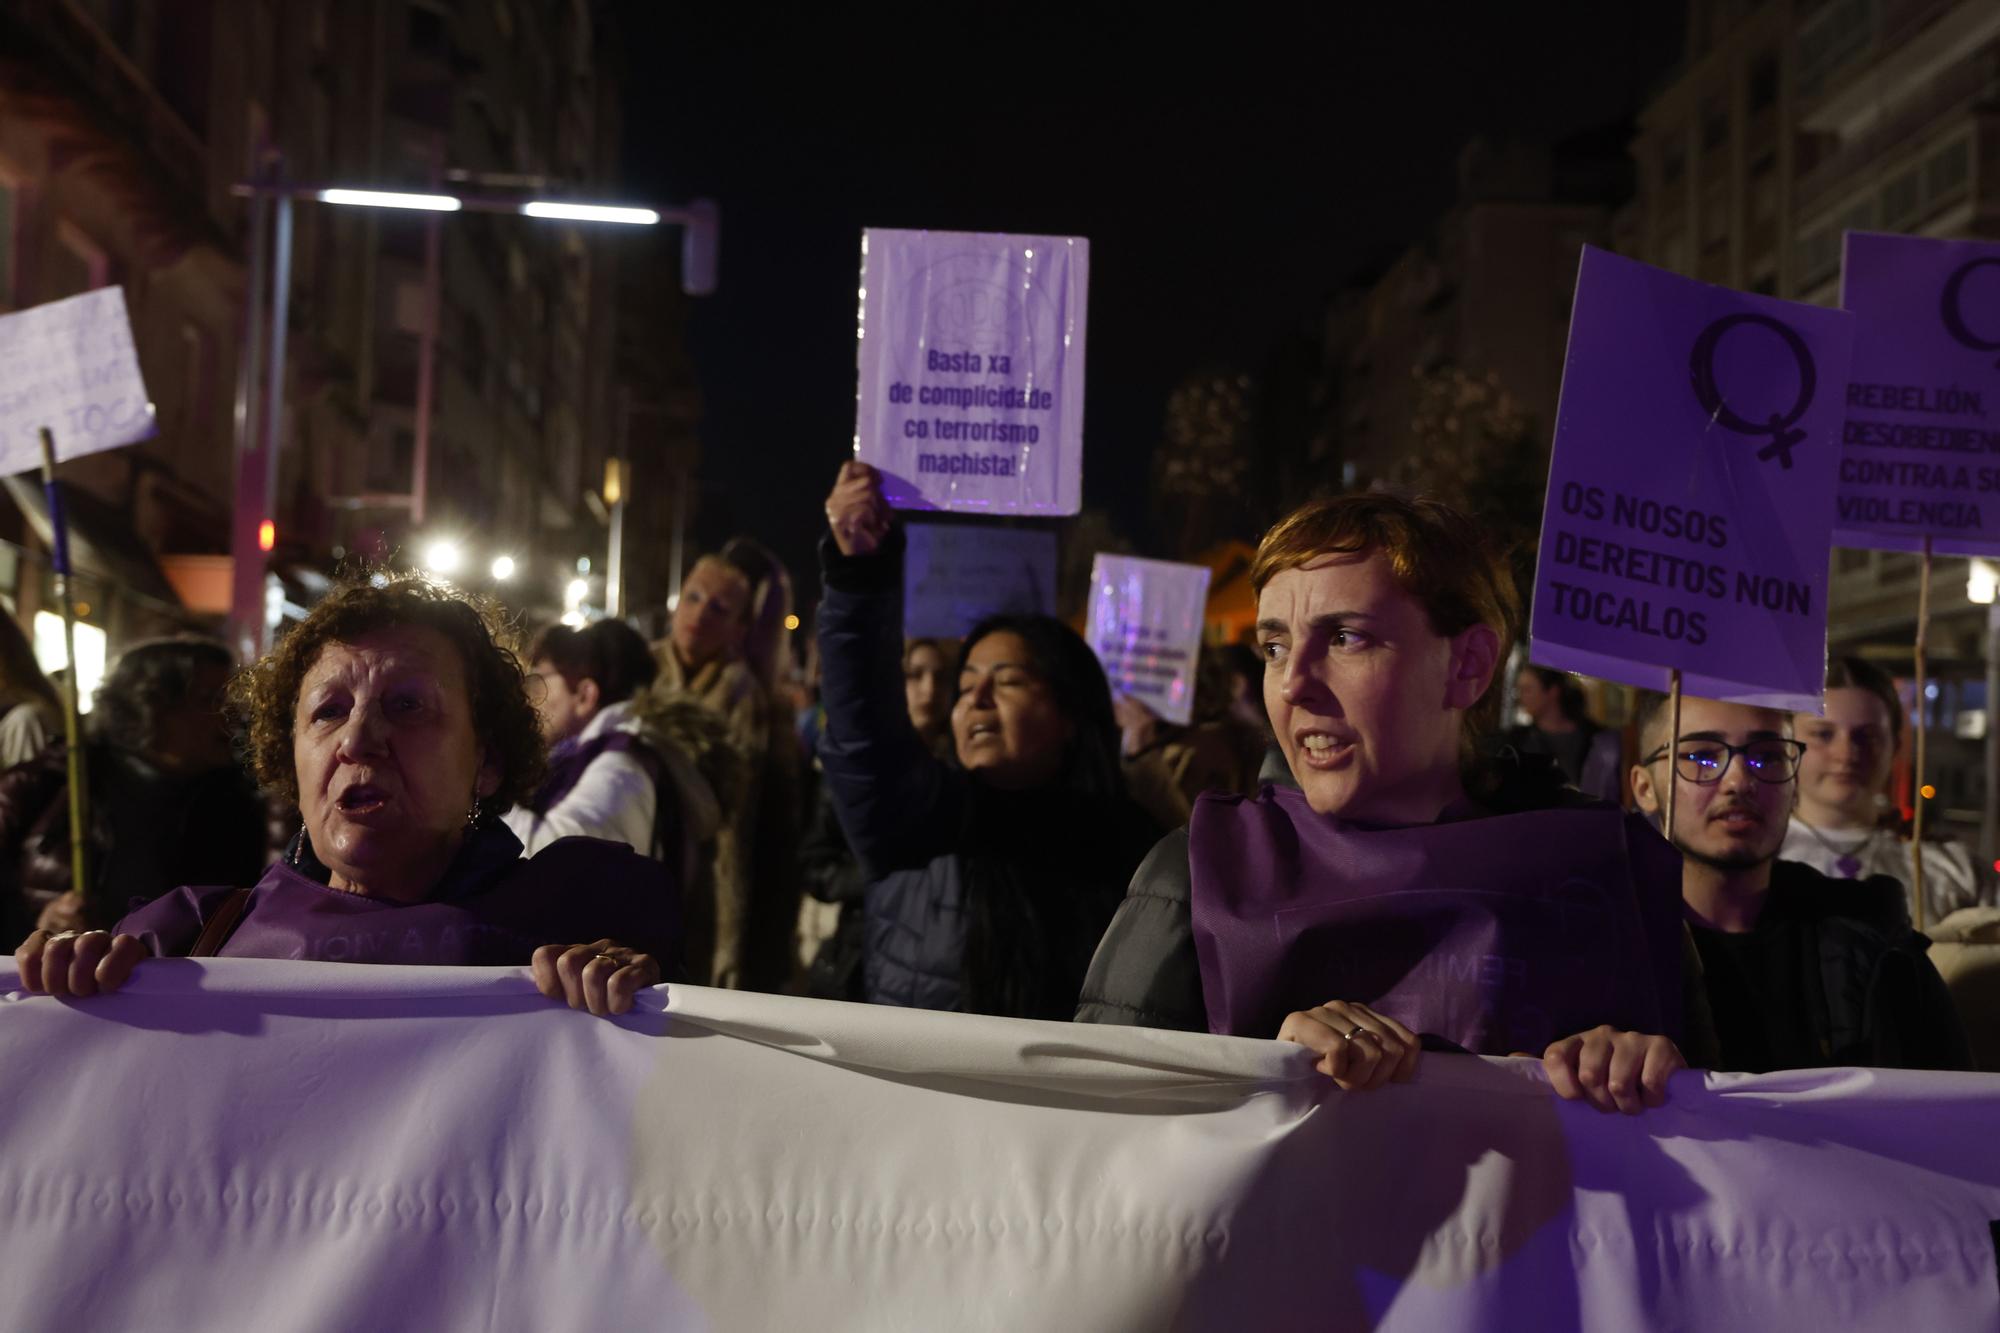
(216, 932)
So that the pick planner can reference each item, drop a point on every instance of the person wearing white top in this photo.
(1837, 828)
(603, 779)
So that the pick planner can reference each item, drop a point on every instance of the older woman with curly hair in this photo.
(396, 717)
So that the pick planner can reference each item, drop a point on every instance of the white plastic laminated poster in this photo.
(1145, 625)
(971, 355)
(70, 366)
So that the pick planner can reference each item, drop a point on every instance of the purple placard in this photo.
(1689, 513)
(957, 574)
(1920, 452)
(971, 369)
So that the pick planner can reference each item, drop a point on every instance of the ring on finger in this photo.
(1359, 1031)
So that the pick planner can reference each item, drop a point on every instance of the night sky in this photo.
(1230, 174)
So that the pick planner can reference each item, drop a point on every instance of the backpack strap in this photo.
(216, 931)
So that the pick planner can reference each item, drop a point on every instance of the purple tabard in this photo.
(1500, 934)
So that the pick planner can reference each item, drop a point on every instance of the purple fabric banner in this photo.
(1689, 513)
(971, 360)
(1921, 448)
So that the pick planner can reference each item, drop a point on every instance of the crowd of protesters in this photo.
(1344, 848)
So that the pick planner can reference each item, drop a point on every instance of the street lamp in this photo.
(442, 558)
(503, 568)
(271, 200)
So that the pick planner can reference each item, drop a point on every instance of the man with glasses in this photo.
(1801, 971)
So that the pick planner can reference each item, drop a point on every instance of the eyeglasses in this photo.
(1705, 762)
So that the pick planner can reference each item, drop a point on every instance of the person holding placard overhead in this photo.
(1838, 828)
(1801, 971)
(990, 875)
(1440, 898)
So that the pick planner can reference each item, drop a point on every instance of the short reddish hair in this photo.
(1438, 555)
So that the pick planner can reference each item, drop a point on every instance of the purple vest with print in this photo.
(1500, 934)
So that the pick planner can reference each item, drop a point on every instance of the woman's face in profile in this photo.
(927, 689)
(387, 758)
(1006, 724)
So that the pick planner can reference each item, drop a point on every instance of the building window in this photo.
(1842, 30)
(1714, 124)
(1715, 226)
(1764, 188)
(1819, 255)
(1903, 199)
(1764, 83)
(1947, 170)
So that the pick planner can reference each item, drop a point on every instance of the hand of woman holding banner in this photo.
(79, 963)
(856, 510)
(1359, 1048)
(601, 977)
(1613, 1070)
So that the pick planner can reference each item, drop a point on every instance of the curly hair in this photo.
(264, 696)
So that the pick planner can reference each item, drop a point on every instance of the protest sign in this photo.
(957, 574)
(1689, 513)
(1920, 451)
(1145, 626)
(971, 358)
(70, 366)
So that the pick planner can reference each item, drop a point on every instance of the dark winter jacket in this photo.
(969, 887)
(150, 831)
(1831, 975)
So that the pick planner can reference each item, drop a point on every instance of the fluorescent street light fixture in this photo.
(546, 208)
(429, 203)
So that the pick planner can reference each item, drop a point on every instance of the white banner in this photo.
(70, 366)
(283, 1145)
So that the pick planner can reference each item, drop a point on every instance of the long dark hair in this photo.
(1031, 926)
(1082, 694)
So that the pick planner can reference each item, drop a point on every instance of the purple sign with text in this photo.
(956, 574)
(1921, 449)
(70, 366)
(1689, 514)
(971, 358)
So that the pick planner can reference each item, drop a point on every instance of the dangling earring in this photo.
(472, 815)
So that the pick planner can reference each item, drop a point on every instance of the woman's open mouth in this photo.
(362, 799)
(1323, 749)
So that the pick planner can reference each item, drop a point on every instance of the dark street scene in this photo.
(714, 667)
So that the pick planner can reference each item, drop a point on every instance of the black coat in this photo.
(150, 831)
(952, 864)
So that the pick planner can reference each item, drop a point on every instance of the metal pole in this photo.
(614, 564)
(674, 565)
(246, 606)
(1923, 729)
(1989, 838)
(420, 463)
(59, 560)
(274, 401)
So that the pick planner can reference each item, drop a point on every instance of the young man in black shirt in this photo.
(1801, 971)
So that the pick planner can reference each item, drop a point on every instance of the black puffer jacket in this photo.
(150, 831)
(1025, 879)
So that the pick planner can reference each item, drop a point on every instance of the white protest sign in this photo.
(1145, 626)
(957, 574)
(971, 358)
(71, 366)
